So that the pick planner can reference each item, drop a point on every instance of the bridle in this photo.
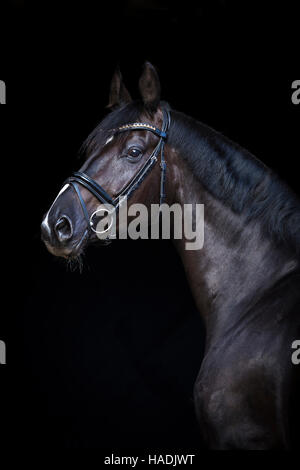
(79, 178)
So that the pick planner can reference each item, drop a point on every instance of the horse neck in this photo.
(237, 263)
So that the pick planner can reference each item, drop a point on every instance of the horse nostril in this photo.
(63, 229)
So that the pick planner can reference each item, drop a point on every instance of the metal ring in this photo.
(95, 212)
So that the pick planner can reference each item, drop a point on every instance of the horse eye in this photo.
(134, 152)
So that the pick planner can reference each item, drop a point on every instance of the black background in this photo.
(107, 358)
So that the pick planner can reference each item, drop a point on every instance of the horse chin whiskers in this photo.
(78, 248)
(75, 263)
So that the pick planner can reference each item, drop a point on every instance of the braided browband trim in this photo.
(142, 126)
(137, 124)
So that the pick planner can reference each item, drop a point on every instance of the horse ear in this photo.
(149, 86)
(118, 94)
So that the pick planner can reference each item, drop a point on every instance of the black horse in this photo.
(245, 280)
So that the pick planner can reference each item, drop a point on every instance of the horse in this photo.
(245, 279)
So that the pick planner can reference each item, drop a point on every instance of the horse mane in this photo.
(229, 172)
(238, 179)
